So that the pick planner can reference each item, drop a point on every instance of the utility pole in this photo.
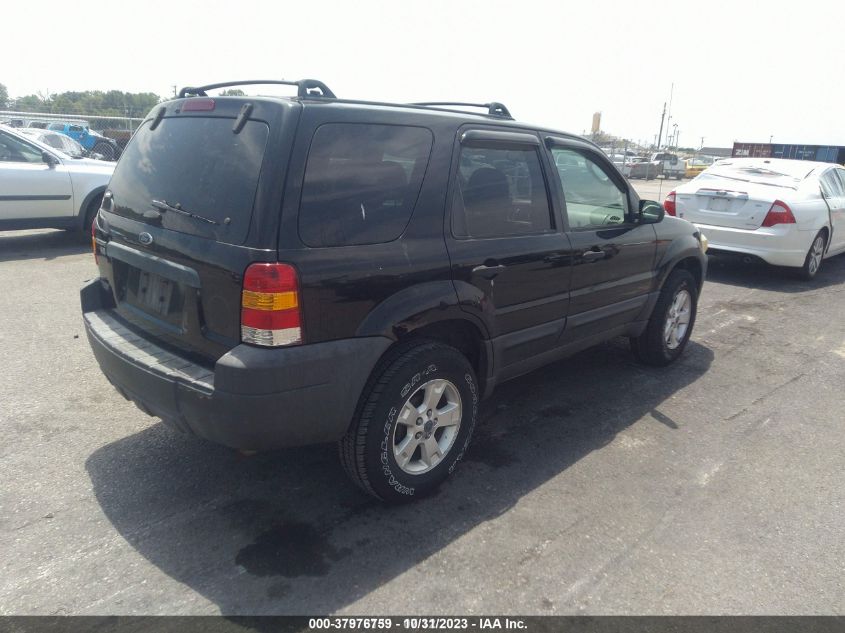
(660, 134)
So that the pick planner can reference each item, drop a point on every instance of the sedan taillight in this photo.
(779, 213)
(669, 203)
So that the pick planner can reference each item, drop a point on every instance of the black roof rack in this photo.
(494, 108)
(307, 87)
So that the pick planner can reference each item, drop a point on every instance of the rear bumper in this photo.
(252, 398)
(779, 245)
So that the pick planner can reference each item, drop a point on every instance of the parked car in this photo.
(60, 142)
(671, 166)
(285, 271)
(641, 168)
(43, 187)
(88, 138)
(698, 164)
(784, 212)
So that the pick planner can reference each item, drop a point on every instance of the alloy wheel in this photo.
(677, 319)
(427, 426)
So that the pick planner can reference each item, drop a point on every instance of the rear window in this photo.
(775, 174)
(361, 183)
(199, 164)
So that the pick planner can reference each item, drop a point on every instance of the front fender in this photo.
(413, 308)
(671, 252)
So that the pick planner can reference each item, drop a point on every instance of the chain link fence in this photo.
(118, 129)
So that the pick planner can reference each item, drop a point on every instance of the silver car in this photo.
(41, 186)
(60, 142)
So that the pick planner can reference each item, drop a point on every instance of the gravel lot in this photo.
(593, 486)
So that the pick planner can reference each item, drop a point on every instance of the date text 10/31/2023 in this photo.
(417, 623)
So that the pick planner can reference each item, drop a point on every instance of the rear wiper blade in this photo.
(164, 205)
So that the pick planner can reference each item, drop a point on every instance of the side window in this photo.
(499, 193)
(592, 198)
(840, 173)
(361, 183)
(831, 185)
(13, 150)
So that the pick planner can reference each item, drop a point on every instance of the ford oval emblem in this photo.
(145, 238)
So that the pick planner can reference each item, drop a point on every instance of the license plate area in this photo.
(155, 295)
(718, 204)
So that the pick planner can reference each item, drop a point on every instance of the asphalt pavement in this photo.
(594, 485)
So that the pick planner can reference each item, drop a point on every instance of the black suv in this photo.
(285, 271)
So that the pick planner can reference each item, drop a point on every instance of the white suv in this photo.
(42, 187)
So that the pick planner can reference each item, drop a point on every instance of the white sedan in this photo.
(785, 212)
(43, 187)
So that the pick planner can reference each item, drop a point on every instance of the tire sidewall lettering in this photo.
(386, 461)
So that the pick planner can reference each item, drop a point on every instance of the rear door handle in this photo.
(591, 256)
(488, 272)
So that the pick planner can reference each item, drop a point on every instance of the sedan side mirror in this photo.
(651, 212)
(48, 158)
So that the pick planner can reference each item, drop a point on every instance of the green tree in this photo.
(30, 103)
(4, 97)
(91, 103)
(233, 92)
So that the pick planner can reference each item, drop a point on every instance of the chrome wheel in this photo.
(677, 319)
(427, 426)
(815, 256)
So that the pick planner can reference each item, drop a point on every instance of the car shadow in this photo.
(42, 244)
(286, 533)
(731, 270)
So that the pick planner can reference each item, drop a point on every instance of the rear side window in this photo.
(500, 193)
(361, 183)
(199, 164)
(831, 185)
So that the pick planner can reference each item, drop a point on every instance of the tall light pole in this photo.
(660, 133)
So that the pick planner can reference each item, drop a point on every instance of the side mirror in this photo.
(48, 158)
(651, 212)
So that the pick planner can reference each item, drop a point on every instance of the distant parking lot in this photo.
(595, 485)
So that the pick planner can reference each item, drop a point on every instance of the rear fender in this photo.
(413, 308)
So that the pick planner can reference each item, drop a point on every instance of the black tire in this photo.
(106, 150)
(651, 347)
(90, 212)
(366, 452)
(812, 266)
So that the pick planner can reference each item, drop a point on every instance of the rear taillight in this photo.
(669, 203)
(779, 213)
(94, 239)
(270, 313)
